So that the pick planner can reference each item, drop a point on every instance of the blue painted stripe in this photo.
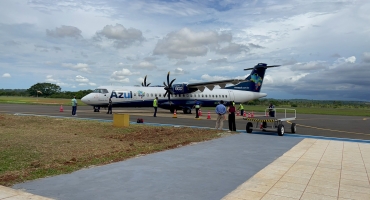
(202, 127)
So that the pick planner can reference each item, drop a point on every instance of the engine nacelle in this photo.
(179, 88)
(182, 89)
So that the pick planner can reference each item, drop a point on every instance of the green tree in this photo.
(44, 89)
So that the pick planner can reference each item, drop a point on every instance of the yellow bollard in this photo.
(121, 120)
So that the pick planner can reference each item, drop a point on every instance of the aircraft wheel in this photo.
(280, 130)
(189, 110)
(249, 127)
(293, 128)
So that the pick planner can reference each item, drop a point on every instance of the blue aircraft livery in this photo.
(121, 94)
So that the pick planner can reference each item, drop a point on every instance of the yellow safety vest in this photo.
(241, 107)
(155, 103)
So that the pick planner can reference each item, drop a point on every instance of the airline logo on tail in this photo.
(257, 80)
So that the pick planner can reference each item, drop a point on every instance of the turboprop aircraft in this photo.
(181, 96)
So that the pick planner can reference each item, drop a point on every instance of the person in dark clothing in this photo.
(110, 104)
(231, 118)
(197, 107)
(271, 110)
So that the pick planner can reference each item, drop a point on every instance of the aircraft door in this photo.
(231, 96)
(104, 96)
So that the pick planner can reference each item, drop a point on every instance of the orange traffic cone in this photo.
(174, 114)
(252, 114)
(200, 112)
(237, 113)
(266, 114)
(249, 115)
(209, 115)
(61, 108)
(245, 114)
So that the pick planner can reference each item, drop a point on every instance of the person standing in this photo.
(196, 106)
(220, 111)
(155, 106)
(110, 104)
(231, 117)
(241, 108)
(74, 106)
(271, 110)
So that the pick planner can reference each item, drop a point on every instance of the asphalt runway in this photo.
(351, 127)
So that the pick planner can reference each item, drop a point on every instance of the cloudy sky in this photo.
(323, 46)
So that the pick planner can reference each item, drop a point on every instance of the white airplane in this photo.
(181, 96)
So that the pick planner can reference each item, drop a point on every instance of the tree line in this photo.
(47, 90)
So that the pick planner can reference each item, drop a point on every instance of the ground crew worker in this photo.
(196, 106)
(155, 106)
(241, 108)
(233, 103)
(271, 110)
(110, 106)
(74, 106)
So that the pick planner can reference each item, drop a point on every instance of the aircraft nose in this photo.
(85, 99)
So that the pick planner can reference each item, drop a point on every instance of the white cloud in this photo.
(144, 65)
(121, 37)
(207, 77)
(179, 71)
(185, 42)
(83, 67)
(81, 79)
(351, 59)
(223, 68)
(6, 75)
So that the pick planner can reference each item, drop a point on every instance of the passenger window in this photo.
(216, 95)
(202, 95)
(191, 95)
(134, 94)
(206, 96)
(151, 94)
(160, 95)
(225, 96)
(187, 95)
(183, 95)
(155, 95)
(175, 95)
(213, 96)
(147, 94)
(222, 96)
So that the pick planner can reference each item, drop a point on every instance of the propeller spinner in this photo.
(144, 83)
(168, 87)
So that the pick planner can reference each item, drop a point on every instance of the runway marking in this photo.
(332, 130)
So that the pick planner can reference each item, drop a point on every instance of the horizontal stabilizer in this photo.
(262, 65)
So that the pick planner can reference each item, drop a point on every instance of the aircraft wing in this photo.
(211, 84)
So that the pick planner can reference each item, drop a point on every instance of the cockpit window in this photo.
(100, 91)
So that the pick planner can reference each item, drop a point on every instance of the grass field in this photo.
(35, 147)
(38, 100)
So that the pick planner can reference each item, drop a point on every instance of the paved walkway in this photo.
(313, 169)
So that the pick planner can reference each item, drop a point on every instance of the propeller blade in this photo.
(172, 82)
(165, 94)
(168, 78)
(169, 100)
(164, 84)
(148, 85)
(142, 84)
(145, 81)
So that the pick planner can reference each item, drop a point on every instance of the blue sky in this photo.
(323, 46)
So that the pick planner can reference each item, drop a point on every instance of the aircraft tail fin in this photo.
(254, 81)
